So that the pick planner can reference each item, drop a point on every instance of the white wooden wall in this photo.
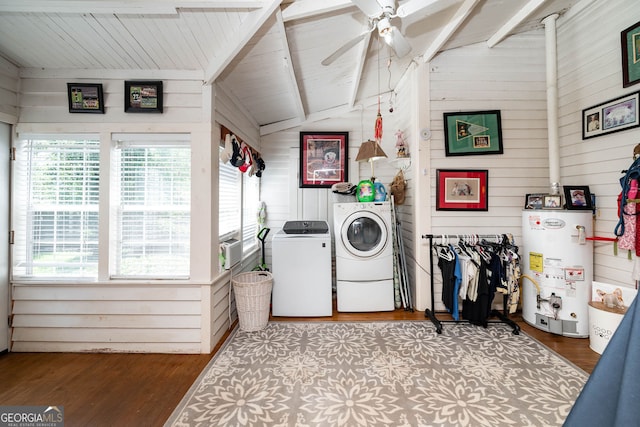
(9, 84)
(405, 113)
(509, 77)
(589, 73)
(279, 185)
(456, 86)
(141, 316)
(107, 318)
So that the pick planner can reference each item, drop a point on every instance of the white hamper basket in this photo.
(253, 299)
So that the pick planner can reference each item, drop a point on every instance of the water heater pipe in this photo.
(552, 101)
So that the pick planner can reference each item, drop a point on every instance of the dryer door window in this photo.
(364, 234)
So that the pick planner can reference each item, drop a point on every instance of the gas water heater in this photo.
(557, 269)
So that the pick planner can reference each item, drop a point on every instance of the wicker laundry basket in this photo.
(253, 299)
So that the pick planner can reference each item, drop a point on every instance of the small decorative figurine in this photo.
(400, 144)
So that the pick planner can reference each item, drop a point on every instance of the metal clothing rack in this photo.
(430, 313)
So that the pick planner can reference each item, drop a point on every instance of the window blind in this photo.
(152, 197)
(56, 198)
(230, 200)
(251, 196)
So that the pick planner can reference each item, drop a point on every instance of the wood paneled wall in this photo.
(590, 73)
(9, 84)
(509, 77)
(135, 316)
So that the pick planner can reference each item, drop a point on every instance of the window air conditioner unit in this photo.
(232, 250)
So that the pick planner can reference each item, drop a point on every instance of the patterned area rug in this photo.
(381, 374)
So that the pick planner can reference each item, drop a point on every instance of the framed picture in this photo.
(323, 159)
(630, 43)
(578, 197)
(85, 98)
(143, 97)
(612, 116)
(471, 133)
(534, 201)
(552, 201)
(462, 190)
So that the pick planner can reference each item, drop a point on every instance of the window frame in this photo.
(104, 141)
(121, 142)
(246, 228)
(21, 199)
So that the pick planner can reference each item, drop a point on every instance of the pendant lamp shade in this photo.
(370, 151)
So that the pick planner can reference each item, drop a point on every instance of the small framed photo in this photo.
(462, 190)
(611, 116)
(323, 159)
(578, 197)
(534, 201)
(552, 201)
(472, 133)
(630, 43)
(85, 98)
(143, 97)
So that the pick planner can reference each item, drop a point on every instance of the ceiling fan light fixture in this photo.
(384, 27)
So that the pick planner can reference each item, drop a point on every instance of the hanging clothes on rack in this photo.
(473, 270)
(451, 277)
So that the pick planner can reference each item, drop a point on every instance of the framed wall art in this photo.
(85, 98)
(578, 197)
(611, 116)
(472, 133)
(462, 190)
(552, 201)
(323, 159)
(143, 97)
(630, 43)
(534, 201)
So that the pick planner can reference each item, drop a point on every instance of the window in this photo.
(238, 206)
(229, 200)
(59, 231)
(250, 196)
(152, 199)
(56, 207)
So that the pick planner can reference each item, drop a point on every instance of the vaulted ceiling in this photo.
(265, 54)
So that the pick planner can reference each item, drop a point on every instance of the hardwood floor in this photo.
(143, 389)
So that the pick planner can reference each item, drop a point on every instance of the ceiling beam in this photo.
(246, 32)
(357, 72)
(293, 82)
(515, 20)
(280, 126)
(338, 111)
(314, 117)
(308, 8)
(123, 7)
(449, 29)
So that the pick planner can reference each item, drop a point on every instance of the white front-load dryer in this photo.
(364, 256)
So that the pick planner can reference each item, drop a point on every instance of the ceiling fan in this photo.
(380, 13)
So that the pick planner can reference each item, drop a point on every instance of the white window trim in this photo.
(106, 140)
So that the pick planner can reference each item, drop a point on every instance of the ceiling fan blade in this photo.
(345, 47)
(398, 42)
(371, 8)
(413, 6)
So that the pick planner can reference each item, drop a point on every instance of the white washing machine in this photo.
(364, 256)
(301, 269)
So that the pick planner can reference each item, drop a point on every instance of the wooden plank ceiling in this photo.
(266, 54)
